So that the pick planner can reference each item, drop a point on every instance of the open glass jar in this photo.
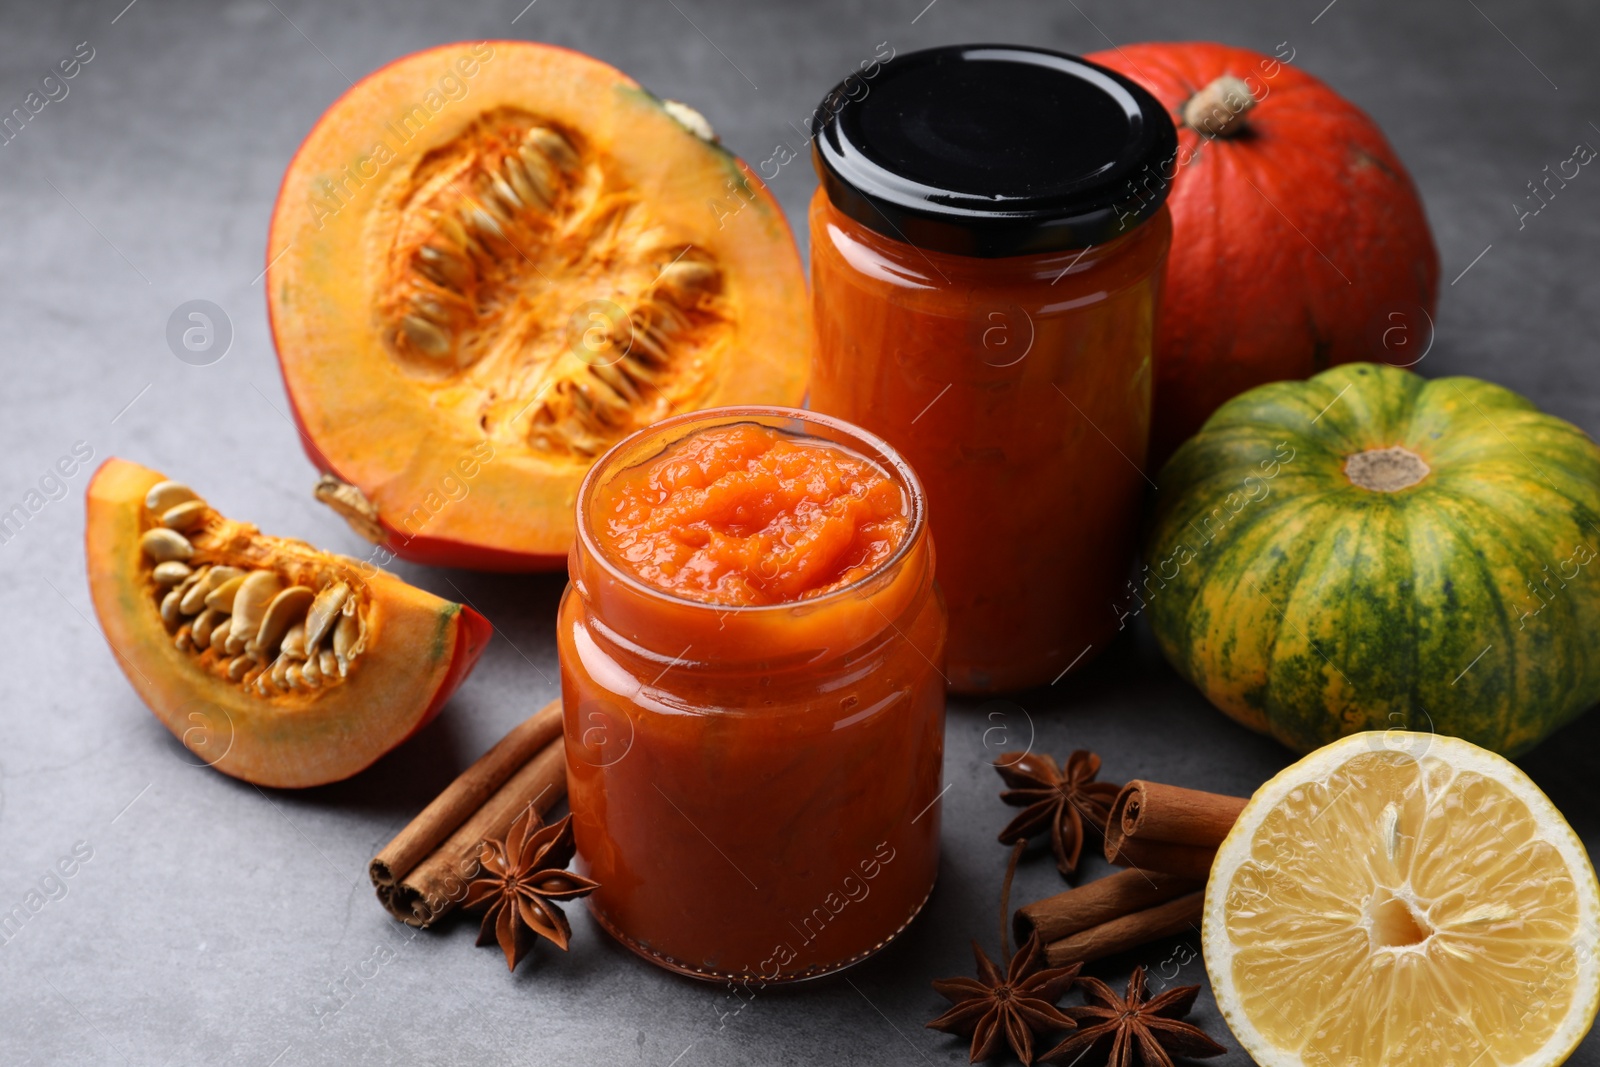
(987, 246)
(754, 787)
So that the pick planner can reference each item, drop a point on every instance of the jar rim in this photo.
(876, 449)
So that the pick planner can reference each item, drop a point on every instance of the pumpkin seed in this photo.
(352, 504)
(294, 677)
(345, 635)
(454, 232)
(171, 572)
(550, 146)
(479, 218)
(311, 673)
(250, 603)
(425, 336)
(540, 175)
(425, 306)
(324, 610)
(184, 642)
(294, 642)
(279, 673)
(649, 342)
(518, 177)
(202, 626)
(164, 496)
(221, 596)
(169, 609)
(196, 598)
(683, 280)
(219, 635)
(616, 381)
(185, 516)
(507, 192)
(198, 575)
(238, 667)
(160, 544)
(447, 270)
(288, 607)
(328, 664)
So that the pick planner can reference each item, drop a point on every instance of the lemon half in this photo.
(1403, 899)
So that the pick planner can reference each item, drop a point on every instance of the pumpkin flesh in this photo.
(492, 260)
(415, 648)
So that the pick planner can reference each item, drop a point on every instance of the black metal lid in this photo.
(994, 150)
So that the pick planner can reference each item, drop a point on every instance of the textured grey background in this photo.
(214, 918)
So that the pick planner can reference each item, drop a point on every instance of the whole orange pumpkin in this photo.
(1298, 239)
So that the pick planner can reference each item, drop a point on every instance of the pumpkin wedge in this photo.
(269, 659)
(489, 262)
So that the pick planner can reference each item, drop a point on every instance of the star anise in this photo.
(1134, 1031)
(1059, 800)
(1011, 1007)
(522, 878)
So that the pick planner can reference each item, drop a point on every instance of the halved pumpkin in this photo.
(269, 659)
(488, 262)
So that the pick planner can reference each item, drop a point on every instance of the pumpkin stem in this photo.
(1386, 470)
(1218, 110)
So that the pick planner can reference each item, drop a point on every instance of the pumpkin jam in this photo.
(987, 244)
(754, 705)
(745, 514)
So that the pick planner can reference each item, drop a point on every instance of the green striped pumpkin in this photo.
(1370, 549)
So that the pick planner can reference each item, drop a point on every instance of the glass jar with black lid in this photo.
(987, 246)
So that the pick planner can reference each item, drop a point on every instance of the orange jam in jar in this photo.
(746, 514)
(750, 666)
(986, 255)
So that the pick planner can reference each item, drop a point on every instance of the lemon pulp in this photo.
(1391, 908)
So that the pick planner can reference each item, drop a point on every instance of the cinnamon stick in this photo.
(439, 882)
(1150, 857)
(1157, 827)
(423, 873)
(1097, 902)
(1129, 931)
(465, 795)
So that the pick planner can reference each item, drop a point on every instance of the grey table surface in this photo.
(219, 923)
